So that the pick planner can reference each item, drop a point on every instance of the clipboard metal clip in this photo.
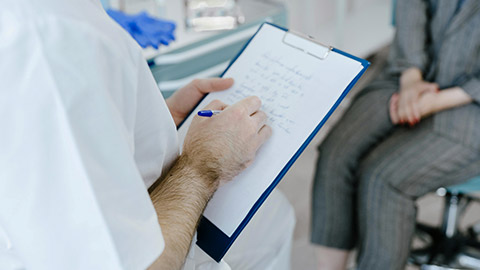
(306, 44)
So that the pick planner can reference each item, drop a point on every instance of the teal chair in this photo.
(449, 247)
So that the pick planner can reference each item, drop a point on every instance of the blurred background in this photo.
(207, 39)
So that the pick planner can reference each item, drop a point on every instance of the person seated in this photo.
(412, 130)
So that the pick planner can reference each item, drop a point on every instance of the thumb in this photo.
(205, 86)
(393, 109)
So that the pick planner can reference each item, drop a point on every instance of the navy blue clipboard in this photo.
(209, 237)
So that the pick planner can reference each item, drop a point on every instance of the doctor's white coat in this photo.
(84, 131)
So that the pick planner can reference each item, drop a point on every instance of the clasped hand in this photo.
(414, 101)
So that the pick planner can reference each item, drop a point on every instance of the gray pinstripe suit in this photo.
(369, 172)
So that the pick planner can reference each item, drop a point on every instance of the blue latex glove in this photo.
(146, 30)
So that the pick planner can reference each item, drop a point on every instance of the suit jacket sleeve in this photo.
(411, 37)
(471, 85)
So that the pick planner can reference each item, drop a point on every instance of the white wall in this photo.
(358, 26)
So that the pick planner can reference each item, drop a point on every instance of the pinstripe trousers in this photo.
(369, 174)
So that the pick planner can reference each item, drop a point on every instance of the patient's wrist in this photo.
(451, 98)
(410, 76)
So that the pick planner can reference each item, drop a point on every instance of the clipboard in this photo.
(212, 239)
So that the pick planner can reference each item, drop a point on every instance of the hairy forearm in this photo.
(451, 98)
(179, 200)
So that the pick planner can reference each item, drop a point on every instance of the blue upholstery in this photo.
(394, 16)
(472, 185)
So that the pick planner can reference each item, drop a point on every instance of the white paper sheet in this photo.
(297, 91)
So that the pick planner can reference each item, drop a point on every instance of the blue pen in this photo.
(208, 113)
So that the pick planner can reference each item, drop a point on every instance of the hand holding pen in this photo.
(228, 141)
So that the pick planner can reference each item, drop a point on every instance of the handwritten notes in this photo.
(279, 84)
(297, 92)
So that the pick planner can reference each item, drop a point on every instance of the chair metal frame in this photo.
(449, 247)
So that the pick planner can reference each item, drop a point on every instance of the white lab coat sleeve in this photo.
(71, 194)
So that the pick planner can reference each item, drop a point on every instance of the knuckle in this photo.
(256, 100)
(252, 128)
(247, 129)
(237, 114)
(268, 131)
(209, 83)
(241, 111)
(216, 102)
(196, 82)
(262, 115)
